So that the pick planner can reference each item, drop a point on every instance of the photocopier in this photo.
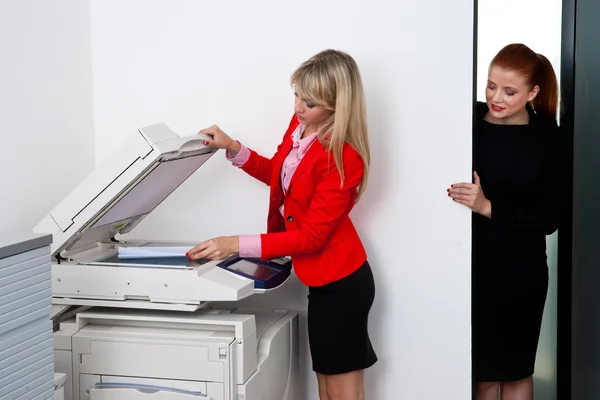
(153, 327)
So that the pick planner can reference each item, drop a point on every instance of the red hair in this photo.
(537, 70)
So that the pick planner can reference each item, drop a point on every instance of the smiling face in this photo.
(507, 93)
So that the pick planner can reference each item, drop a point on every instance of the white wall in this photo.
(45, 106)
(541, 32)
(191, 64)
(543, 35)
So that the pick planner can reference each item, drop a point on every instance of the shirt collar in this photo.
(302, 144)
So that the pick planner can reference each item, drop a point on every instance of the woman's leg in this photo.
(488, 390)
(322, 387)
(348, 386)
(517, 390)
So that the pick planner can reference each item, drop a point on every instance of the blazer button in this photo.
(289, 218)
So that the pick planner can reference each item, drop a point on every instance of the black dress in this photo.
(521, 172)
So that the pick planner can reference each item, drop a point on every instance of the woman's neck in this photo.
(309, 130)
(520, 118)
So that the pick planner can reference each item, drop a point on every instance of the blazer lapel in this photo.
(311, 156)
(286, 147)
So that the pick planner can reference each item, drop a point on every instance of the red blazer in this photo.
(316, 231)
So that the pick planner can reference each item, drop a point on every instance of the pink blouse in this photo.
(250, 245)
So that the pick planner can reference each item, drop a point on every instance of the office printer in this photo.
(155, 327)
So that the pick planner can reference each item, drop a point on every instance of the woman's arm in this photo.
(255, 165)
(541, 214)
(251, 162)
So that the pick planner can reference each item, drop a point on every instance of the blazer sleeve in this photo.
(331, 201)
(261, 167)
(543, 213)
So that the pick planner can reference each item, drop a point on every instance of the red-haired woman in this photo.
(516, 197)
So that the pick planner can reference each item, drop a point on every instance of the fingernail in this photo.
(206, 143)
(187, 254)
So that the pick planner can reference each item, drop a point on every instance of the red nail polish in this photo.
(206, 143)
(187, 254)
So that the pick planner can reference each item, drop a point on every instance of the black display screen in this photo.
(254, 270)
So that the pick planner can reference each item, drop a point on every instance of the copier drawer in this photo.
(94, 387)
(152, 360)
(134, 394)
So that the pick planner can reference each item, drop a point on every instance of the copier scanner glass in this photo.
(150, 258)
(166, 262)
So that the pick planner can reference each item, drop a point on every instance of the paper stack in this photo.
(152, 252)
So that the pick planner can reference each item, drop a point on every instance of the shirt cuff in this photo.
(250, 246)
(239, 159)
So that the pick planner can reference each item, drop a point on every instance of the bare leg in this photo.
(488, 391)
(518, 390)
(348, 386)
(322, 387)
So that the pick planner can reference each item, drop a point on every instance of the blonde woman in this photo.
(318, 173)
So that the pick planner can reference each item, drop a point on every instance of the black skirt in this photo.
(337, 323)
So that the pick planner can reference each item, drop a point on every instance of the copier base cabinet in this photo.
(216, 354)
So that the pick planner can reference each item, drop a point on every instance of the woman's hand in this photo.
(215, 249)
(471, 195)
(220, 139)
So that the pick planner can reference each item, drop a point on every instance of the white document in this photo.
(152, 252)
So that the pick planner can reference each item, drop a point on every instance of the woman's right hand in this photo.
(220, 139)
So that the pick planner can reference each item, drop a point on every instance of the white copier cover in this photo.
(86, 269)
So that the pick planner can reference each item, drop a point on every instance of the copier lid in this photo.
(125, 188)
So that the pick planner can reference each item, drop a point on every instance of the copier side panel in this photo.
(278, 361)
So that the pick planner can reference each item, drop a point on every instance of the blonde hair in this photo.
(331, 79)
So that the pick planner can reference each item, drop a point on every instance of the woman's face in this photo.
(309, 114)
(507, 94)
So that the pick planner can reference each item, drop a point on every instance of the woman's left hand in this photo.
(215, 249)
(471, 195)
